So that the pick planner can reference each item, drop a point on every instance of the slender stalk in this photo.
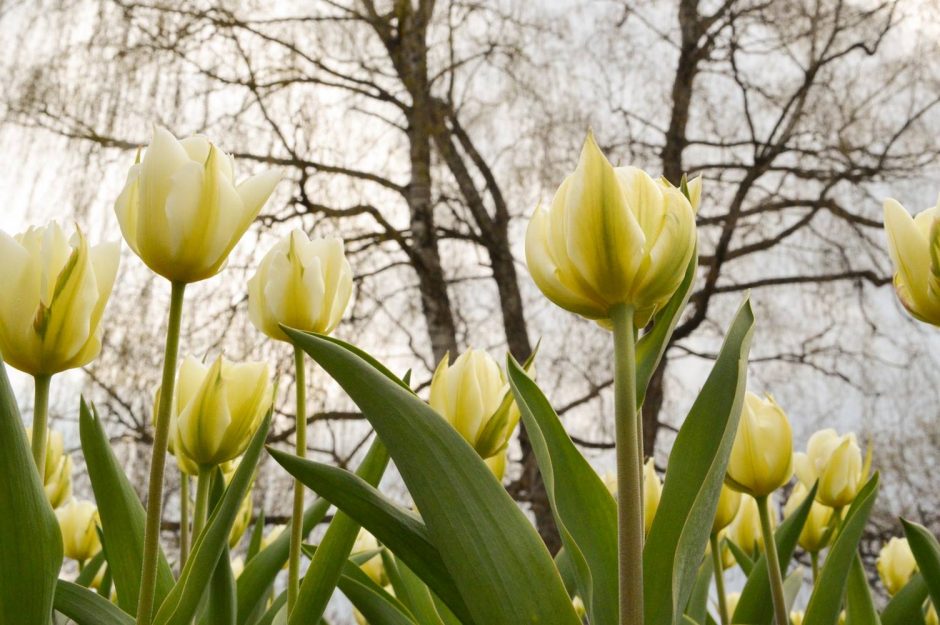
(184, 519)
(773, 562)
(719, 580)
(41, 423)
(629, 468)
(148, 574)
(814, 560)
(202, 500)
(296, 524)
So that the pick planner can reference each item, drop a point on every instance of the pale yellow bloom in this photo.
(816, 531)
(78, 521)
(931, 618)
(896, 564)
(836, 462)
(579, 608)
(796, 617)
(181, 211)
(55, 288)
(58, 471)
(731, 601)
(373, 567)
(301, 284)
(273, 534)
(728, 503)
(238, 565)
(652, 493)
(762, 455)
(914, 245)
(242, 521)
(745, 531)
(611, 236)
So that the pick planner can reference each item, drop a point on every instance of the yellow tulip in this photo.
(579, 608)
(218, 409)
(836, 462)
(914, 245)
(652, 492)
(762, 455)
(242, 521)
(932, 618)
(796, 617)
(497, 463)
(816, 531)
(731, 601)
(55, 289)
(273, 534)
(57, 477)
(373, 567)
(301, 284)
(78, 521)
(728, 503)
(472, 395)
(238, 565)
(612, 236)
(744, 530)
(727, 557)
(181, 211)
(896, 564)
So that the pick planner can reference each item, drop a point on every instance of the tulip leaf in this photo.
(755, 606)
(652, 345)
(826, 600)
(859, 605)
(698, 601)
(221, 608)
(411, 590)
(90, 571)
(906, 607)
(694, 476)
(260, 570)
(181, 603)
(87, 607)
(585, 512)
(122, 515)
(740, 556)
(31, 544)
(494, 555)
(926, 551)
(373, 601)
(326, 565)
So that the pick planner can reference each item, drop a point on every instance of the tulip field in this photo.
(737, 504)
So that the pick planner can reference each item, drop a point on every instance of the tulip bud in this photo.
(78, 521)
(472, 395)
(896, 565)
(55, 289)
(57, 477)
(301, 284)
(762, 454)
(796, 617)
(612, 236)
(373, 567)
(728, 503)
(181, 211)
(652, 492)
(238, 565)
(914, 245)
(218, 409)
(816, 531)
(731, 601)
(745, 530)
(836, 463)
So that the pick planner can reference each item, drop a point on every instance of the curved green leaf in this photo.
(677, 540)
(906, 607)
(376, 605)
(30, 541)
(585, 512)
(87, 607)
(501, 566)
(410, 590)
(859, 605)
(698, 601)
(90, 570)
(927, 553)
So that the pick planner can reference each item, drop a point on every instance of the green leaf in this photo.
(90, 571)
(694, 475)
(221, 608)
(181, 604)
(410, 590)
(122, 514)
(755, 606)
(378, 606)
(585, 512)
(326, 566)
(927, 553)
(859, 605)
(826, 600)
(30, 541)
(743, 560)
(496, 558)
(698, 601)
(652, 345)
(86, 607)
(906, 607)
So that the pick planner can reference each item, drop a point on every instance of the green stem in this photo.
(719, 579)
(184, 519)
(773, 562)
(814, 560)
(202, 500)
(40, 423)
(629, 468)
(148, 574)
(296, 525)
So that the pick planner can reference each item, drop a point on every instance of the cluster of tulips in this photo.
(615, 246)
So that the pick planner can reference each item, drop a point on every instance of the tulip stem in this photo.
(148, 574)
(719, 579)
(40, 423)
(629, 468)
(201, 512)
(184, 519)
(296, 524)
(773, 562)
(814, 560)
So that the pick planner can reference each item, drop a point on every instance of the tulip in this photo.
(896, 565)
(731, 600)
(796, 617)
(728, 503)
(373, 567)
(932, 618)
(242, 521)
(836, 463)
(301, 284)
(78, 521)
(745, 531)
(652, 492)
(273, 534)
(613, 236)
(181, 211)
(57, 477)
(762, 454)
(238, 565)
(914, 245)
(817, 530)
